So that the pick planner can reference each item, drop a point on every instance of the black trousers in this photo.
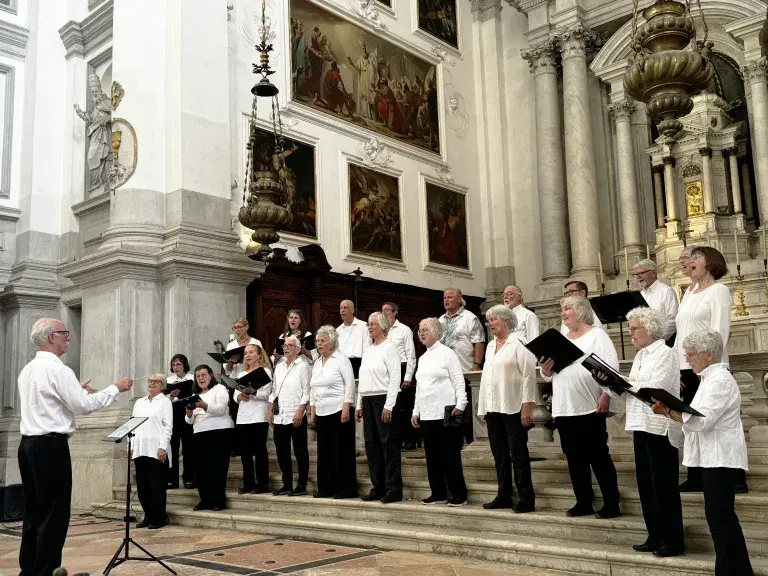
(509, 445)
(469, 424)
(382, 447)
(283, 435)
(404, 408)
(731, 556)
(336, 460)
(212, 461)
(657, 472)
(442, 446)
(46, 474)
(182, 437)
(253, 453)
(151, 485)
(584, 440)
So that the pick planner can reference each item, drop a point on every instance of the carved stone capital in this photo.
(705, 152)
(542, 57)
(484, 10)
(622, 111)
(668, 160)
(578, 42)
(734, 151)
(755, 71)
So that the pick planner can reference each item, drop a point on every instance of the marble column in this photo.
(747, 185)
(755, 73)
(733, 164)
(670, 189)
(708, 191)
(553, 207)
(658, 194)
(630, 215)
(579, 151)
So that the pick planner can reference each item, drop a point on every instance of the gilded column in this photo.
(658, 194)
(553, 207)
(670, 188)
(755, 74)
(579, 150)
(733, 162)
(628, 204)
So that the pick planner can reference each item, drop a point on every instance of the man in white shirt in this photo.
(527, 322)
(659, 296)
(50, 397)
(353, 335)
(576, 288)
(402, 337)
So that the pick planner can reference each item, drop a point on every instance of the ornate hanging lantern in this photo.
(662, 73)
(264, 207)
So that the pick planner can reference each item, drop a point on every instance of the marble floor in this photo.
(196, 552)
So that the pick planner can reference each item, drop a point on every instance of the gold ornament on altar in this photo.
(694, 198)
(264, 191)
(662, 72)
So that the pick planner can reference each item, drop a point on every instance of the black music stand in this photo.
(126, 430)
(613, 308)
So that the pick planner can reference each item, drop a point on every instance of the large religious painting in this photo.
(299, 179)
(387, 3)
(374, 213)
(348, 73)
(447, 227)
(438, 18)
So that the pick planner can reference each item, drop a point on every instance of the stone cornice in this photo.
(13, 40)
(92, 204)
(109, 266)
(239, 272)
(749, 26)
(82, 38)
(28, 297)
(9, 214)
(484, 10)
(527, 6)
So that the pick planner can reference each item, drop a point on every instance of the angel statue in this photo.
(99, 128)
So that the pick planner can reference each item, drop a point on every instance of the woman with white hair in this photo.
(377, 391)
(331, 401)
(441, 385)
(152, 450)
(580, 409)
(505, 402)
(656, 439)
(715, 443)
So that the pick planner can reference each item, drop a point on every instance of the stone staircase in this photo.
(546, 539)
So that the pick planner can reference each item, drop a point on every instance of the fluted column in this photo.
(733, 161)
(708, 192)
(755, 74)
(579, 150)
(630, 215)
(670, 188)
(553, 207)
(658, 195)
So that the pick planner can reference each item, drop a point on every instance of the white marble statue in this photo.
(99, 121)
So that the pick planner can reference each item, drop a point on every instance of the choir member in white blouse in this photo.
(716, 444)
(527, 327)
(656, 439)
(580, 408)
(151, 450)
(331, 400)
(576, 288)
(506, 400)
(242, 338)
(658, 295)
(287, 412)
(296, 325)
(441, 385)
(212, 428)
(377, 392)
(352, 332)
(706, 306)
(252, 426)
(181, 441)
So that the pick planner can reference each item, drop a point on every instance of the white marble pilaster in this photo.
(755, 73)
(658, 194)
(553, 206)
(733, 164)
(670, 189)
(579, 151)
(747, 185)
(629, 210)
(708, 191)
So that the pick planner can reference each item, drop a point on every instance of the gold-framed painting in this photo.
(438, 18)
(374, 217)
(447, 226)
(345, 71)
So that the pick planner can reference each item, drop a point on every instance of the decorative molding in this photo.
(692, 170)
(755, 71)
(101, 58)
(93, 4)
(13, 39)
(484, 10)
(12, 7)
(82, 38)
(527, 6)
(369, 11)
(444, 55)
(445, 174)
(7, 151)
(92, 204)
(455, 111)
(376, 153)
(542, 57)
(9, 214)
(578, 42)
(622, 111)
(288, 118)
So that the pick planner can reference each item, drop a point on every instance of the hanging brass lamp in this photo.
(662, 72)
(264, 207)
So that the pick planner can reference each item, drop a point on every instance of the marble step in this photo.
(548, 552)
(624, 531)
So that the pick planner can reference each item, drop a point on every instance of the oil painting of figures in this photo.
(374, 213)
(438, 17)
(344, 71)
(447, 226)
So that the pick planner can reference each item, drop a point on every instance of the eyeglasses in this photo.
(237, 326)
(65, 332)
(571, 292)
(154, 382)
(641, 273)
(633, 329)
(177, 364)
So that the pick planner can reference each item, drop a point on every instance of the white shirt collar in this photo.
(713, 369)
(458, 312)
(49, 355)
(434, 345)
(653, 346)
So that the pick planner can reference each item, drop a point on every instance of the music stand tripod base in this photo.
(126, 430)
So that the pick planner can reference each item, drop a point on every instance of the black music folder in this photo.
(307, 342)
(190, 401)
(552, 344)
(613, 308)
(184, 387)
(223, 357)
(615, 381)
(248, 383)
(651, 395)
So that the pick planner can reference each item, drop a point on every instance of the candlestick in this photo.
(765, 279)
(648, 251)
(736, 247)
(600, 261)
(741, 307)
(602, 288)
(765, 246)
(626, 265)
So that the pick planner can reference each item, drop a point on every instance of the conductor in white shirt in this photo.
(660, 296)
(527, 322)
(353, 335)
(50, 397)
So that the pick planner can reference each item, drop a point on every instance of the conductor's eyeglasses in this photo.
(65, 332)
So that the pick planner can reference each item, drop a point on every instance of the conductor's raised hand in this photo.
(547, 366)
(124, 384)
